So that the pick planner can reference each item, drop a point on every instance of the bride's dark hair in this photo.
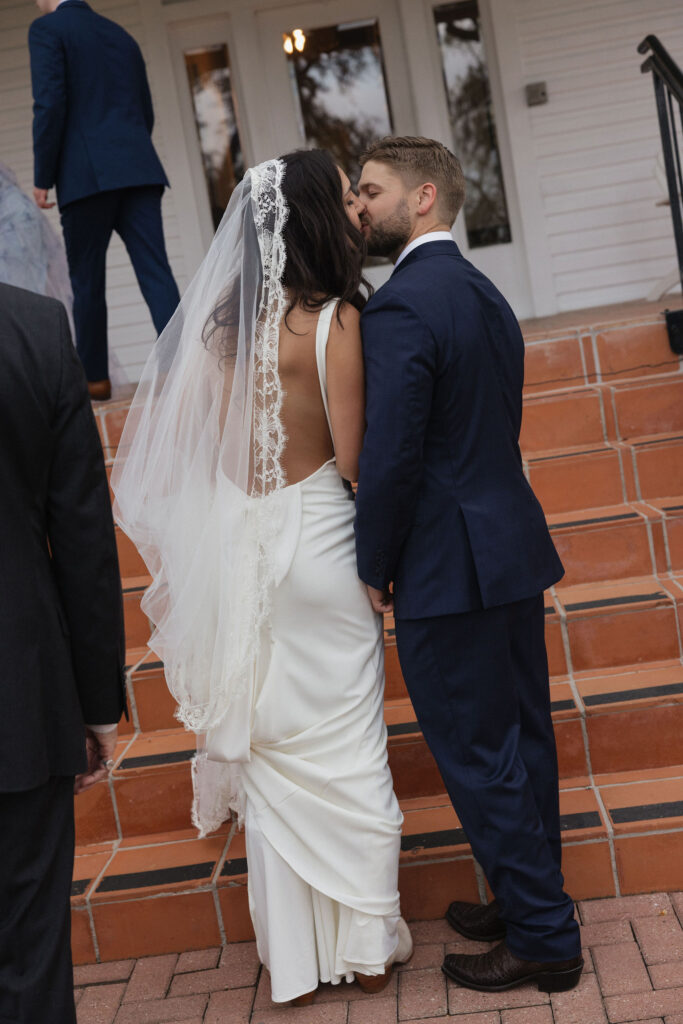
(325, 252)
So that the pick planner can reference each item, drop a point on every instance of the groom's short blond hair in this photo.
(418, 160)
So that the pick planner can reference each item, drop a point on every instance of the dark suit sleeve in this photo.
(400, 367)
(146, 96)
(83, 545)
(48, 79)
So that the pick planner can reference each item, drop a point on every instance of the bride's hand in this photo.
(381, 600)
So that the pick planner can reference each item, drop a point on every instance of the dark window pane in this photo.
(338, 78)
(472, 121)
(208, 71)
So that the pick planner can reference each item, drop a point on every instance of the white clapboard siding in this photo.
(596, 143)
(131, 332)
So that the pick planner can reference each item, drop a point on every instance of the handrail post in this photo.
(665, 128)
(668, 84)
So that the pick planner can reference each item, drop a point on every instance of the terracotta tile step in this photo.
(621, 541)
(596, 626)
(575, 355)
(609, 473)
(619, 622)
(609, 721)
(172, 892)
(602, 412)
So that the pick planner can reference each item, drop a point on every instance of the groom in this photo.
(445, 514)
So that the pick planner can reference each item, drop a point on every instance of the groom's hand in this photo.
(381, 600)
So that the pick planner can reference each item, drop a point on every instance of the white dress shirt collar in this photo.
(430, 236)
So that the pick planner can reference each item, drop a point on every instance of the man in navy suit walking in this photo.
(92, 126)
(445, 514)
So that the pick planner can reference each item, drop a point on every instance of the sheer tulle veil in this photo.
(198, 480)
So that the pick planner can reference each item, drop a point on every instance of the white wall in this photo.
(583, 164)
(596, 142)
(131, 332)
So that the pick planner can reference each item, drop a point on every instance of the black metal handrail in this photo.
(667, 78)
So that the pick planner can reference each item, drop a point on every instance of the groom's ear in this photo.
(426, 198)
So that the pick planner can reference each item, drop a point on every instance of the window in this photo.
(338, 78)
(472, 119)
(208, 71)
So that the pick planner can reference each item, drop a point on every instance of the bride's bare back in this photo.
(309, 444)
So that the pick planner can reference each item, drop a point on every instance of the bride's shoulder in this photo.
(346, 317)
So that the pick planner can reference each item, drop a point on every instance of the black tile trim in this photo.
(656, 440)
(148, 665)
(402, 728)
(430, 840)
(79, 885)
(647, 812)
(238, 866)
(549, 610)
(646, 691)
(457, 836)
(605, 602)
(162, 876)
(673, 508)
(390, 632)
(582, 819)
(148, 760)
(571, 455)
(591, 522)
(144, 667)
(134, 590)
(405, 728)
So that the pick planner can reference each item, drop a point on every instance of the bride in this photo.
(230, 479)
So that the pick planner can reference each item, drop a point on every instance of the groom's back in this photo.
(106, 107)
(478, 536)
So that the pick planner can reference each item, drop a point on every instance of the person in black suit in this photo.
(92, 126)
(62, 643)
(445, 514)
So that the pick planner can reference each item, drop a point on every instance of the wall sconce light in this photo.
(296, 41)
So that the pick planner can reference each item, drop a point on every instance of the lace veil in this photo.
(198, 480)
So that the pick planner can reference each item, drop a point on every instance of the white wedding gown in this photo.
(322, 822)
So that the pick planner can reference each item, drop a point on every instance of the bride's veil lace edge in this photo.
(198, 481)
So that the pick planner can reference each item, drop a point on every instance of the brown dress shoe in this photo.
(100, 390)
(476, 921)
(305, 1000)
(499, 969)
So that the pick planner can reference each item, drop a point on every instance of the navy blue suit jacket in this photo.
(92, 108)
(443, 507)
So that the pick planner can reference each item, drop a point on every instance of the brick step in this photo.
(625, 720)
(620, 541)
(172, 892)
(588, 349)
(595, 626)
(645, 468)
(602, 412)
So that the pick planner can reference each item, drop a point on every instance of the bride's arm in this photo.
(346, 390)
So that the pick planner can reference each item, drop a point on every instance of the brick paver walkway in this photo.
(634, 972)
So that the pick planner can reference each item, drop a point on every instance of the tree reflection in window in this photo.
(208, 71)
(338, 79)
(472, 121)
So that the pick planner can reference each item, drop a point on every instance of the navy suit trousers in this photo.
(135, 215)
(37, 857)
(479, 684)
